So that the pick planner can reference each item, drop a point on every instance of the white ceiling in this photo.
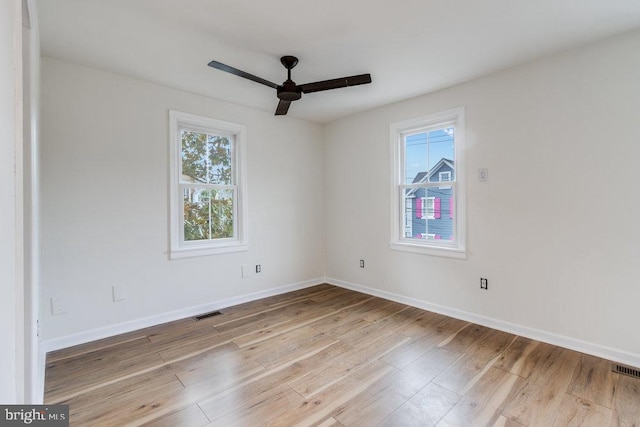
(410, 47)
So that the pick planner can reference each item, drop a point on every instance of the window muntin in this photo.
(426, 152)
(208, 200)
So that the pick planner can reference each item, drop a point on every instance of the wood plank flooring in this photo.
(327, 356)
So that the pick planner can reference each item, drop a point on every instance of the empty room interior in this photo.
(321, 213)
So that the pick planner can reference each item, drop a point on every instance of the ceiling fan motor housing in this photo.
(289, 91)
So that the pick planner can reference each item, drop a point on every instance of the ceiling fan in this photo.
(289, 91)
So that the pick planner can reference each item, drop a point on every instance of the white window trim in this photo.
(178, 248)
(398, 242)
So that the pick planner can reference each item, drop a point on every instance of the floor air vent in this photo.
(206, 315)
(625, 370)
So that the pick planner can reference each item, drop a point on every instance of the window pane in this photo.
(414, 213)
(429, 213)
(205, 158)
(411, 209)
(440, 147)
(440, 221)
(425, 155)
(208, 214)
(219, 159)
(416, 158)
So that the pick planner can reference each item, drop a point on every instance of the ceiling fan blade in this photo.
(283, 107)
(240, 73)
(360, 79)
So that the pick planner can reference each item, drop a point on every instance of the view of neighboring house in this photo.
(429, 211)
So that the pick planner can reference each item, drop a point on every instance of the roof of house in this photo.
(419, 177)
(424, 176)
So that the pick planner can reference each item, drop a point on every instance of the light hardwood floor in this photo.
(328, 356)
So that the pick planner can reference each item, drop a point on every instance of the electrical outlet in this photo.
(484, 283)
(258, 268)
(361, 263)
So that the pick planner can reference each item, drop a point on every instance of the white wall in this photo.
(11, 260)
(104, 185)
(556, 229)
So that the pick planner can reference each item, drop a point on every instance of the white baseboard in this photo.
(593, 349)
(133, 325)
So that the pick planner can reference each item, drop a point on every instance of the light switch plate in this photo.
(58, 305)
(119, 293)
(248, 270)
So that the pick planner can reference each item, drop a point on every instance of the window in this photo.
(208, 196)
(426, 152)
(428, 208)
(443, 177)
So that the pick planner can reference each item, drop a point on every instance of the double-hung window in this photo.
(208, 196)
(427, 184)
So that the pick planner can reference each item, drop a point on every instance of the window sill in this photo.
(200, 251)
(432, 250)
